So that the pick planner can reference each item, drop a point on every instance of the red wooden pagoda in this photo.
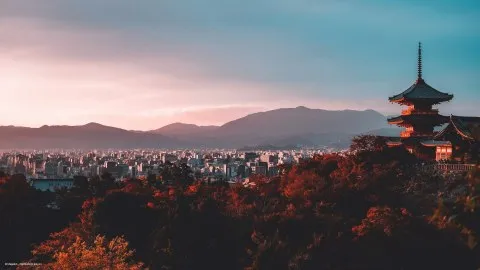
(420, 118)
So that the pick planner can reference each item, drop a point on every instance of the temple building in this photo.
(463, 133)
(458, 140)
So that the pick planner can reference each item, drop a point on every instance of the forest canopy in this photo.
(374, 208)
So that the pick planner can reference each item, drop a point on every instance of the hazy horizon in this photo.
(141, 66)
(177, 122)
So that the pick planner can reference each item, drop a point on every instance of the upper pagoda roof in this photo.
(420, 90)
(466, 126)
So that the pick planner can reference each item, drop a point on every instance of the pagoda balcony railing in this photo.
(451, 167)
(405, 134)
(417, 111)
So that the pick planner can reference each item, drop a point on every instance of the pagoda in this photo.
(420, 118)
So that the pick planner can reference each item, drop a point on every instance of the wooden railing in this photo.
(451, 167)
(416, 111)
(408, 133)
(405, 133)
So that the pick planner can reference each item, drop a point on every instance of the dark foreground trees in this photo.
(356, 211)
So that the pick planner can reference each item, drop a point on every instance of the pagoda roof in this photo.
(433, 143)
(393, 143)
(466, 126)
(420, 90)
(403, 119)
(411, 141)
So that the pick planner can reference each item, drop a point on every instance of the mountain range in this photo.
(298, 126)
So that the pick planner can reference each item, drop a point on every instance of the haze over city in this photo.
(208, 62)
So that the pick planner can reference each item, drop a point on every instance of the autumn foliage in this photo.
(351, 211)
(102, 254)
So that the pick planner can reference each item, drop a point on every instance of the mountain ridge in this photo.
(178, 128)
(284, 126)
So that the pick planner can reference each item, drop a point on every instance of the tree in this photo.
(152, 179)
(102, 254)
(368, 143)
(81, 182)
(84, 229)
(463, 215)
(20, 206)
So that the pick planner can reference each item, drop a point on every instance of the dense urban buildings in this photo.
(50, 170)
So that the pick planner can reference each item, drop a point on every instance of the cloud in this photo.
(187, 60)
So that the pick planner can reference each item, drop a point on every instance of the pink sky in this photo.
(47, 80)
(69, 62)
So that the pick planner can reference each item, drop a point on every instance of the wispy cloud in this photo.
(208, 62)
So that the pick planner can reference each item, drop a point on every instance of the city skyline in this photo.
(148, 65)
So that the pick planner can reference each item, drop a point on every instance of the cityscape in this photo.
(51, 170)
(243, 135)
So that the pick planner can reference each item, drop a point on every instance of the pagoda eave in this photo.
(412, 119)
(395, 121)
(434, 143)
(394, 144)
(421, 92)
(410, 101)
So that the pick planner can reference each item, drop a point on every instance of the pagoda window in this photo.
(443, 152)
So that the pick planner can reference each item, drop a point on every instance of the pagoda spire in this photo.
(419, 77)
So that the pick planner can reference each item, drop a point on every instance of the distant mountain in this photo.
(298, 126)
(287, 126)
(183, 129)
(301, 120)
(87, 136)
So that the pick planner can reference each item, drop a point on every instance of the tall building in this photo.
(261, 170)
(60, 169)
(122, 170)
(134, 171)
(250, 156)
(94, 170)
(51, 169)
(269, 158)
(20, 168)
(169, 157)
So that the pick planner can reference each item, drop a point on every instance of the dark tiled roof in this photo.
(420, 90)
(394, 143)
(412, 141)
(431, 143)
(435, 118)
(394, 139)
(466, 126)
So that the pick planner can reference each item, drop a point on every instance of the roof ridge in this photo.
(461, 131)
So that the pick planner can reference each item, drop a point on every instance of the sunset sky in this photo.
(143, 64)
